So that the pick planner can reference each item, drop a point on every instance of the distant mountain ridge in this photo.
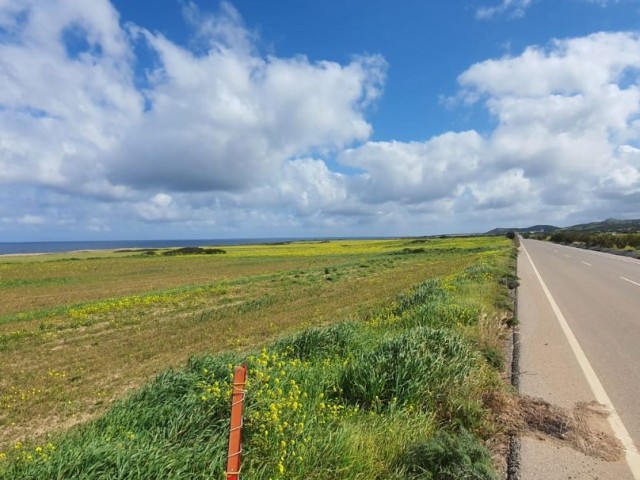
(608, 225)
(532, 229)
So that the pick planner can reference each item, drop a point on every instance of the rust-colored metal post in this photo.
(237, 404)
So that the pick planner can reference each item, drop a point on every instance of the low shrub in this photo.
(194, 251)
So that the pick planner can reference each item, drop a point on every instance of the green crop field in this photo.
(367, 359)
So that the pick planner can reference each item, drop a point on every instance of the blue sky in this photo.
(194, 119)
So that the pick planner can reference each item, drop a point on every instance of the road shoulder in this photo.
(549, 371)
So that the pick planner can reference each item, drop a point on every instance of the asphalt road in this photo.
(598, 295)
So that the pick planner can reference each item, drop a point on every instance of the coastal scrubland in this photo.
(367, 359)
(621, 243)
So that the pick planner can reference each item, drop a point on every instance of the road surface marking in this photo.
(612, 256)
(632, 455)
(586, 263)
(630, 281)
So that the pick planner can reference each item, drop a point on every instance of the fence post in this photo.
(234, 455)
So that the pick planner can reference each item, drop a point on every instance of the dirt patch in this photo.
(544, 419)
(584, 427)
(592, 417)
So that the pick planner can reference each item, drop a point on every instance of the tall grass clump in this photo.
(428, 291)
(447, 457)
(442, 314)
(399, 394)
(433, 370)
(322, 341)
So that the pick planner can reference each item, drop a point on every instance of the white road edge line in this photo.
(630, 281)
(611, 256)
(632, 455)
(586, 263)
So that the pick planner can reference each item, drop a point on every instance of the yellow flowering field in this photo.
(78, 331)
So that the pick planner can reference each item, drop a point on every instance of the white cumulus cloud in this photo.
(219, 135)
(417, 171)
(59, 105)
(512, 8)
(566, 116)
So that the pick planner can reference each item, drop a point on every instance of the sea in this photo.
(17, 248)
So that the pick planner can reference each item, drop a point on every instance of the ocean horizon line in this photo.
(62, 246)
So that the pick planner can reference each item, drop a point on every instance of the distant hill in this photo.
(608, 225)
(532, 229)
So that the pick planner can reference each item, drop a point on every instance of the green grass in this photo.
(393, 390)
(144, 314)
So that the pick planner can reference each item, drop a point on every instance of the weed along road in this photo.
(579, 315)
